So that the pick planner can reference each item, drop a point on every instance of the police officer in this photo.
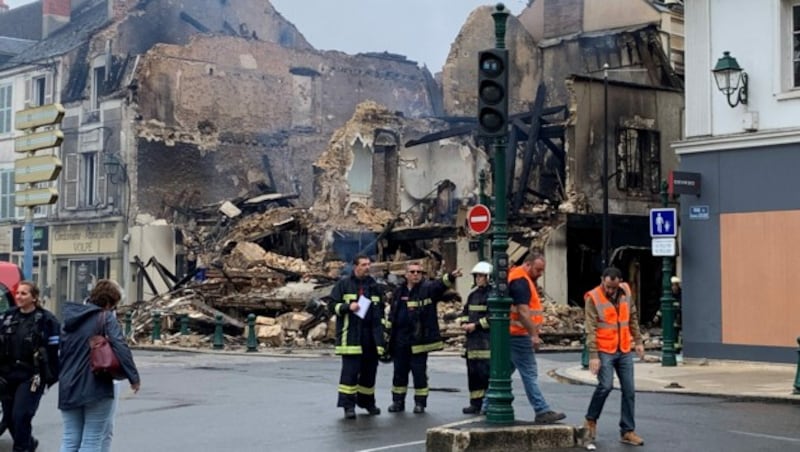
(475, 322)
(28, 362)
(415, 332)
(358, 305)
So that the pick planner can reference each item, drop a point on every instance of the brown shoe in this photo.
(631, 438)
(590, 427)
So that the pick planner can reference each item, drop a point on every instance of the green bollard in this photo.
(128, 324)
(797, 375)
(219, 343)
(184, 324)
(252, 344)
(584, 353)
(156, 326)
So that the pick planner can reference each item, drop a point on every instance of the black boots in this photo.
(472, 409)
(373, 410)
(350, 413)
(397, 407)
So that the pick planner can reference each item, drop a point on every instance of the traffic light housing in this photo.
(493, 93)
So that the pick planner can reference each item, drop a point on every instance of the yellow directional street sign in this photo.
(36, 169)
(38, 140)
(35, 197)
(39, 116)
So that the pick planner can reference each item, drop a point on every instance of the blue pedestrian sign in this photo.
(663, 223)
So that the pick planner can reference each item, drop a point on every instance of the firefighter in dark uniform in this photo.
(358, 305)
(414, 333)
(28, 362)
(475, 322)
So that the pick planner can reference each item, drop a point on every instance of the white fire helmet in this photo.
(483, 268)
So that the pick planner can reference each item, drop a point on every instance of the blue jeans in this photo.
(523, 359)
(84, 427)
(622, 363)
(108, 432)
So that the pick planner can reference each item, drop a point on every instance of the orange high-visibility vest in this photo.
(613, 327)
(535, 305)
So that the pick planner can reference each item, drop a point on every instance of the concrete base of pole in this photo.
(477, 435)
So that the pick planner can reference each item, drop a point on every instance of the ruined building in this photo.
(173, 109)
(174, 106)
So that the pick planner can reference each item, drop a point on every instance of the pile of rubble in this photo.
(260, 255)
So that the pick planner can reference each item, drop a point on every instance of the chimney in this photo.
(55, 14)
(3, 7)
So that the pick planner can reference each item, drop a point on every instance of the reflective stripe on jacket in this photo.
(348, 325)
(613, 323)
(535, 305)
(419, 305)
(476, 311)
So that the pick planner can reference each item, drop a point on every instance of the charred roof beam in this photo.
(194, 22)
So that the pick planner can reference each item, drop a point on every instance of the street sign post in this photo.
(479, 219)
(663, 247)
(663, 223)
(32, 169)
(38, 140)
(44, 115)
(36, 197)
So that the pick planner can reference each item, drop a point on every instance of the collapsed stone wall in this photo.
(261, 99)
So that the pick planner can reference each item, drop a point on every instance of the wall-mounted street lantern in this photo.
(729, 77)
(115, 168)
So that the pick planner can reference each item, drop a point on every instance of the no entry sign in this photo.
(479, 218)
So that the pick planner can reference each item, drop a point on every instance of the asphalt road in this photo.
(200, 402)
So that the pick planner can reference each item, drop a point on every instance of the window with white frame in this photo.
(88, 170)
(8, 210)
(789, 29)
(84, 184)
(6, 114)
(796, 45)
(39, 90)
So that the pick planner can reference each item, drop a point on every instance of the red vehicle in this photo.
(10, 276)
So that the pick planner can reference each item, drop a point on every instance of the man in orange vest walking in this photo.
(612, 331)
(526, 316)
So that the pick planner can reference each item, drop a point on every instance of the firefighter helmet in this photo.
(482, 268)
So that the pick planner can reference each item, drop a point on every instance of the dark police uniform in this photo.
(414, 333)
(476, 311)
(28, 363)
(359, 341)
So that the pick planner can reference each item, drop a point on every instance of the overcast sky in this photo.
(422, 30)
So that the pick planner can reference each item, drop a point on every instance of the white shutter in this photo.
(69, 181)
(28, 91)
(102, 191)
(48, 89)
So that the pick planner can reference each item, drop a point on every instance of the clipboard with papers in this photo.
(363, 306)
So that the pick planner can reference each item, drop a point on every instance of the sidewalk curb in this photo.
(559, 376)
(269, 353)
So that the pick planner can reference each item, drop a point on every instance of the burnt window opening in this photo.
(638, 160)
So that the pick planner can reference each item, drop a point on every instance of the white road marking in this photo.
(393, 446)
(761, 435)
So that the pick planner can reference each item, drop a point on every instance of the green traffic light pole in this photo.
(482, 200)
(667, 301)
(499, 394)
